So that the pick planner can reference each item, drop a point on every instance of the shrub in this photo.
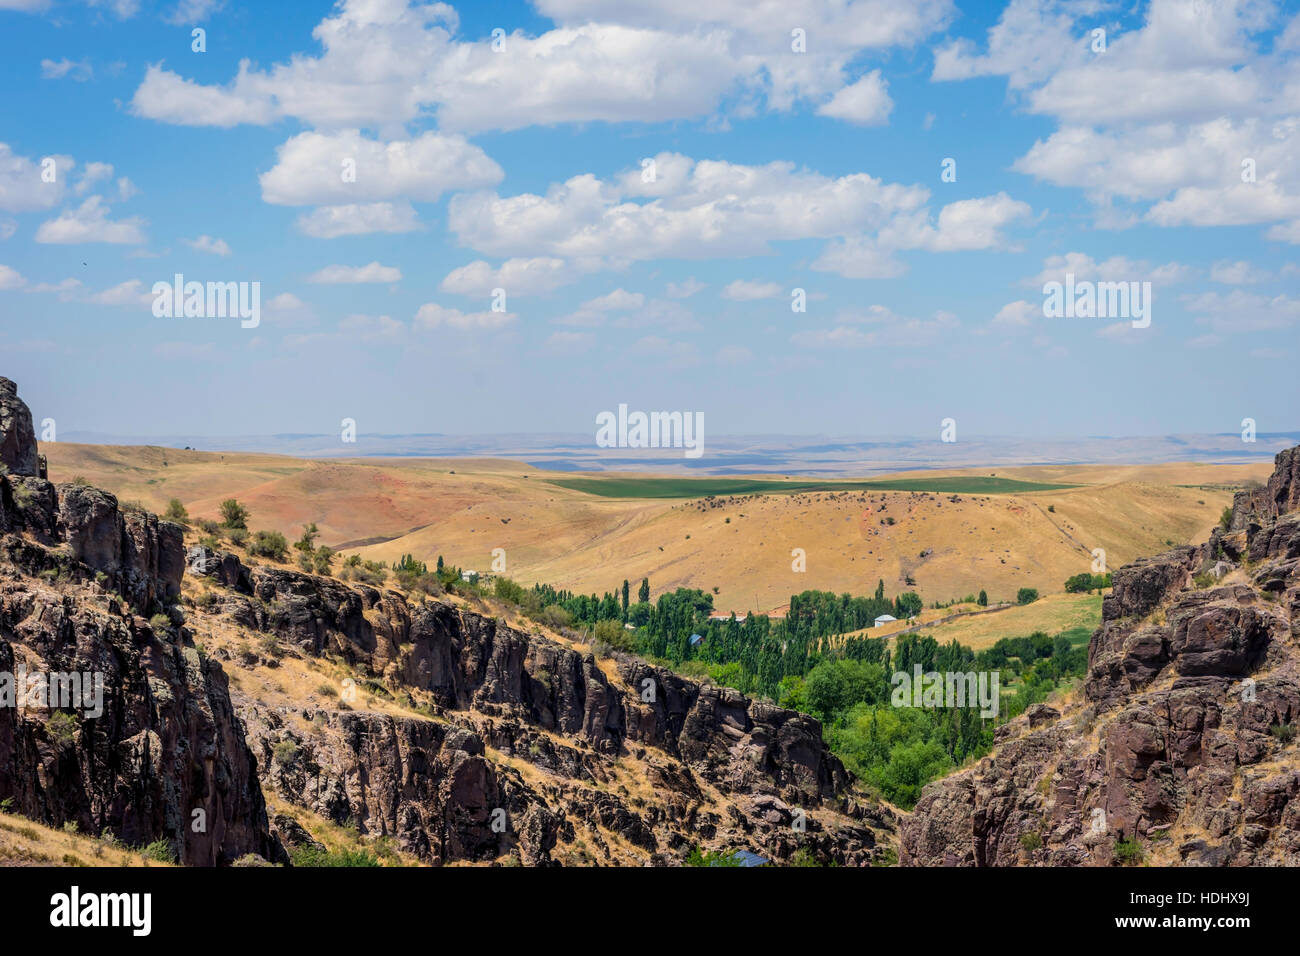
(209, 527)
(285, 753)
(699, 857)
(62, 728)
(323, 560)
(1128, 852)
(317, 856)
(1031, 841)
(1283, 732)
(269, 544)
(160, 851)
(554, 617)
(1026, 595)
(176, 512)
(160, 623)
(233, 514)
(1225, 519)
(238, 537)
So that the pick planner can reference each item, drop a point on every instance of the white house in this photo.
(885, 619)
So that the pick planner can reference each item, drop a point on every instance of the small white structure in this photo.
(468, 576)
(885, 619)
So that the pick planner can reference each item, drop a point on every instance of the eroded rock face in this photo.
(1183, 742)
(158, 742)
(431, 786)
(149, 747)
(17, 437)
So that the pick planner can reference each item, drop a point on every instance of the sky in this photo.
(478, 218)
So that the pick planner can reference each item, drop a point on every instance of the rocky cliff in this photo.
(515, 744)
(427, 722)
(108, 720)
(1183, 744)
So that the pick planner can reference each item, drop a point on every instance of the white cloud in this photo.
(357, 219)
(22, 188)
(344, 275)
(79, 70)
(684, 289)
(1240, 272)
(10, 279)
(865, 102)
(131, 292)
(616, 301)
(380, 329)
(191, 12)
(218, 247)
(1115, 269)
(286, 309)
(432, 316)
(310, 169)
(89, 222)
(1018, 315)
(516, 276)
(382, 65)
(7, 228)
(1240, 311)
(745, 291)
(718, 209)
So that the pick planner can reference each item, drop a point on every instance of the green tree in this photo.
(1026, 595)
(983, 598)
(625, 596)
(643, 594)
(307, 542)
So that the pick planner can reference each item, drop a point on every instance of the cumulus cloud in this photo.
(79, 70)
(10, 278)
(23, 188)
(865, 102)
(346, 167)
(89, 222)
(345, 275)
(217, 247)
(517, 276)
(382, 65)
(744, 291)
(432, 316)
(357, 219)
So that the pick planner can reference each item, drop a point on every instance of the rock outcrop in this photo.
(1185, 739)
(109, 721)
(17, 438)
(450, 787)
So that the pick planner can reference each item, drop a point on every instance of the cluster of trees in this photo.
(1086, 583)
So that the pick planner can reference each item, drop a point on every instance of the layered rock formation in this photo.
(635, 763)
(1185, 739)
(148, 746)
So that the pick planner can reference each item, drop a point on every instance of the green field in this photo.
(703, 487)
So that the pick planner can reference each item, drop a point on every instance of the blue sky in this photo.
(521, 169)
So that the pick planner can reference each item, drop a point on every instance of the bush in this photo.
(1031, 841)
(62, 728)
(233, 514)
(317, 856)
(1283, 732)
(160, 623)
(285, 753)
(176, 512)
(699, 857)
(1026, 595)
(1225, 519)
(209, 527)
(1128, 852)
(160, 851)
(554, 617)
(269, 544)
(238, 537)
